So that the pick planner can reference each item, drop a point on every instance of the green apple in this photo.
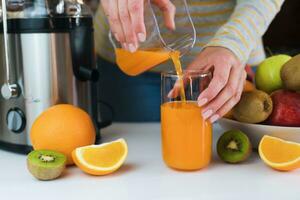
(267, 77)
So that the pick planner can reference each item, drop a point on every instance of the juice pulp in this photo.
(186, 136)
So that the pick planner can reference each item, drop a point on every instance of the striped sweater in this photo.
(234, 24)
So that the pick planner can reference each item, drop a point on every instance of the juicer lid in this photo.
(35, 16)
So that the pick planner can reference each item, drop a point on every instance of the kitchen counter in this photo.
(144, 176)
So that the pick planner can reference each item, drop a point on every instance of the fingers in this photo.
(175, 91)
(227, 93)
(126, 20)
(218, 82)
(130, 37)
(169, 11)
(232, 102)
(177, 86)
(197, 65)
(110, 8)
(136, 11)
(186, 79)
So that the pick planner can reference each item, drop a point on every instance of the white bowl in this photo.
(256, 131)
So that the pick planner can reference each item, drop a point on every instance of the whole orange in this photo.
(62, 128)
(248, 86)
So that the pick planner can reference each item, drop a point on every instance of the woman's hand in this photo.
(126, 19)
(226, 86)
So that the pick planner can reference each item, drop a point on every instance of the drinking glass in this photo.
(186, 136)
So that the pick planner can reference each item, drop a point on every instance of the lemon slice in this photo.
(101, 159)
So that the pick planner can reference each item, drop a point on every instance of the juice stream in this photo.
(175, 56)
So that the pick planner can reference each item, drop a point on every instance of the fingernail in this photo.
(201, 102)
(214, 118)
(142, 37)
(207, 114)
(132, 48)
(117, 38)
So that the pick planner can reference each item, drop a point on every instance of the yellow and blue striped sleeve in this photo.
(248, 22)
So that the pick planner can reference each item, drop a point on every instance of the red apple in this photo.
(286, 108)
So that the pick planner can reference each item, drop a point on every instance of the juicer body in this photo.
(49, 67)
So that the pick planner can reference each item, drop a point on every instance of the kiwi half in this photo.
(234, 146)
(46, 164)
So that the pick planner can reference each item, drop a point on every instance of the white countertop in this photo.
(144, 176)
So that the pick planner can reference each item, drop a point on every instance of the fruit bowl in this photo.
(256, 131)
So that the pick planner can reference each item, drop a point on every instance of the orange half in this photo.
(279, 154)
(101, 159)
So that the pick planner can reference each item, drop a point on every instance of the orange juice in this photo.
(139, 61)
(175, 56)
(186, 136)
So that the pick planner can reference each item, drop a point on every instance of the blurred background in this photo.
(283, 34)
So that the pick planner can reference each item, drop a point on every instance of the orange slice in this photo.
(279, 154)
(101, 159)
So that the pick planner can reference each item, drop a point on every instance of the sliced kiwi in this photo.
(234, 146)
(253, 107)
(290, 74)
(46, 164)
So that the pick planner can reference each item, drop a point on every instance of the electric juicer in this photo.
(47, 58)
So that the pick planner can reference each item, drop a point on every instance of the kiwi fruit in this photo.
(290, 74)
(46, 164)
(234, 146)
(253, 107)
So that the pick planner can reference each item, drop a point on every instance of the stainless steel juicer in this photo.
(47, 58)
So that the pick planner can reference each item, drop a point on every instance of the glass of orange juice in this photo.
(186, 136)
